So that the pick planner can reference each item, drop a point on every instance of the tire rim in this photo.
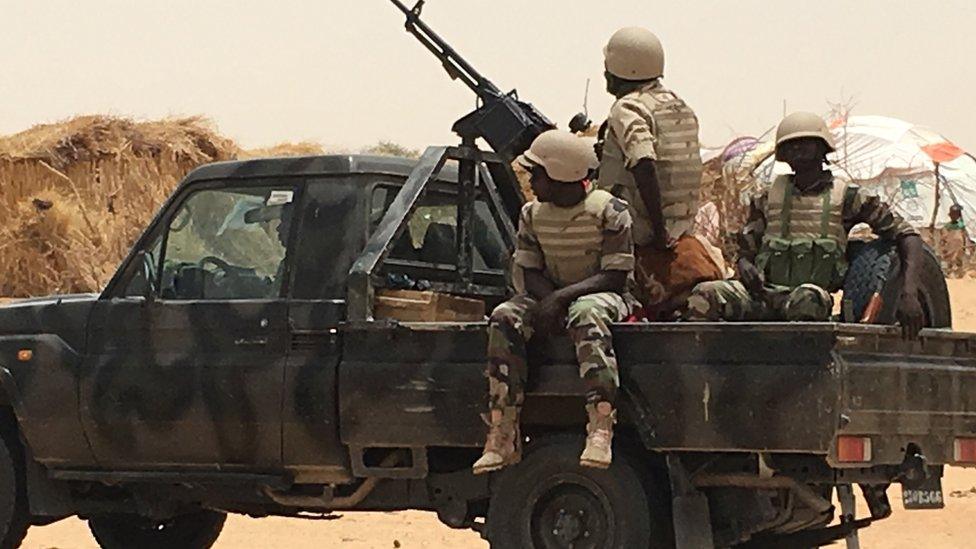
(570, 511)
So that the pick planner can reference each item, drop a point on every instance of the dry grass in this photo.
(78, 193)
(302, 148)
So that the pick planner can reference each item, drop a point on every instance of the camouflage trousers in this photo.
(588, 323)
(729, 300)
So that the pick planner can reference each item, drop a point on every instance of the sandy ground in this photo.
(950, 528)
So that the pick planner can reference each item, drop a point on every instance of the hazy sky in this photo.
(345, 73)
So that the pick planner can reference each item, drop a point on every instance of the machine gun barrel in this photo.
(455, 65)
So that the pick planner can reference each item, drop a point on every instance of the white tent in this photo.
(901, 162)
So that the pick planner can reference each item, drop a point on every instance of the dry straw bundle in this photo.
(78, 193)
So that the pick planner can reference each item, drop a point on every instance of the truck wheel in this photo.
(14, 519)
(197, 530)
(871, 261)
(548, 501)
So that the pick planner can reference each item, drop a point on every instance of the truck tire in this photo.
(549, 501)
(878, 259)
(14, 518)
(198, 530)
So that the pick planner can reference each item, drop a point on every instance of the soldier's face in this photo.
(542, 186)
(803, 153)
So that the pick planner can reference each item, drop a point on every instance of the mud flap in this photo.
(692, 519)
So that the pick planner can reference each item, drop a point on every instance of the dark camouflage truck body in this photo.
(283, 405)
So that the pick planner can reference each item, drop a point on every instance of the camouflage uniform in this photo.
(828, 212)
(653, 123)
(568, 245)
(729, 300)
(588, 323)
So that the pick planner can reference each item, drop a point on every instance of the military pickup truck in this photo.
(236, 364)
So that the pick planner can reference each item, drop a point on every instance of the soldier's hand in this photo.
(663, 243)
(750, 276)
(910, 315)
(547, 315)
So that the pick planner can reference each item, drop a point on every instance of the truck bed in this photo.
(738, 387)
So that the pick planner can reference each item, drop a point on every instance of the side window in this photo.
(228, 244)
(432, 229)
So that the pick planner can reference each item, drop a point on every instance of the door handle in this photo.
(251, 342)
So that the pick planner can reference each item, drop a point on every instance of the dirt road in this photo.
(951, 528)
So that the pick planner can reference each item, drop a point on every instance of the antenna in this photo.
(586, 99)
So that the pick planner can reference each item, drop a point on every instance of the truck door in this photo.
(186, 362)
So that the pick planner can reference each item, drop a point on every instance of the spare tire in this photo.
(876, 263)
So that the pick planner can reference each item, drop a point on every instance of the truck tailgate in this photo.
(900, 392)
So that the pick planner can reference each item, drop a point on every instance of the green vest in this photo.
(805, 241)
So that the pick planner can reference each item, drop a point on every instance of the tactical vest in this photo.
(679, 165)
(571, 238)
(805, 241)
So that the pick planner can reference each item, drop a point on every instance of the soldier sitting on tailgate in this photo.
(575, 248)
(793, 247)
(650, 158)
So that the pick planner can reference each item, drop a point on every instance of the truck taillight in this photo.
(852, 449)
(965, 450)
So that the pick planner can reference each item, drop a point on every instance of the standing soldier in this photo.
(576, 252)
(793, 247)
(650, 157)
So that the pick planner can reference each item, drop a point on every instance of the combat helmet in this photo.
(566, 157)
(803, 124)
(634, 53)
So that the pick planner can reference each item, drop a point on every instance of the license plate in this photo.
(926, 496)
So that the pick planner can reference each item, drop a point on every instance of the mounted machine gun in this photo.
(507, 124)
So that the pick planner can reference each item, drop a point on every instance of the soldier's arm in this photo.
(633, 125)
(751, 235)
(528, 255)
(863, 207)
(537, 284)
(645, 176)
(616, 256)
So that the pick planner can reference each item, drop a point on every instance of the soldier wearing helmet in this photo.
(650, 158)
(575, 248)
(793, 247)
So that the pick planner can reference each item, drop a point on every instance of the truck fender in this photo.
(45, 497)
(9, 393)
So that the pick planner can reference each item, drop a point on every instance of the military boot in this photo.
(502, 448)
(599, 436)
